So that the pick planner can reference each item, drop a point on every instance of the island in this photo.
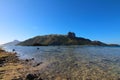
(55, 39)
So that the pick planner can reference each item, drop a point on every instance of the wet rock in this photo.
(18, 79)
(38, 48)
(31, 77)
(88, 79)
(40, 79)
(27, 60)
(13, 50)
(68, 78)
(1, 50)
(2, 61)
(118, 79)
(37, 64)
(32, 59)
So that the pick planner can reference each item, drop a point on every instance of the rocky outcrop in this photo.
(71, 35)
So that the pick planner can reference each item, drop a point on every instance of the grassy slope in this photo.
(55, 40)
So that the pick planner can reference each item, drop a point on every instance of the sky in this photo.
(93, 19)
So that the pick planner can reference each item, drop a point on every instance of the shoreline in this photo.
(13, 68)
(66, 66)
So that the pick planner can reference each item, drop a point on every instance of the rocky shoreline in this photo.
(12, 68)
(61, 67)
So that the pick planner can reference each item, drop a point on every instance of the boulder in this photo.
(31, 77)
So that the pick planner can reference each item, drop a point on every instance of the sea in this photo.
(103, 58)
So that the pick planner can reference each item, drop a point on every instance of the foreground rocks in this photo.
(11, 68)
(33, 77)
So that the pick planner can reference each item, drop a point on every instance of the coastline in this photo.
(66, 66)
(12, 68)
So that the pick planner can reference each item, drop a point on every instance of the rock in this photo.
(38, 48)
(32, 59)
(1, 50)
(88, 79)
(118, 79)
(31, 77)
(18, 79)
(26, 60)
(13, 50)
(38, 64)
(40, 79)
(71, 35)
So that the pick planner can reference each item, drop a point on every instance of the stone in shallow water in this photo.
(31, 77)
(18, 79)
(118, 78)
(37, 64)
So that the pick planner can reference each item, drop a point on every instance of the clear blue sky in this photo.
(93, 19)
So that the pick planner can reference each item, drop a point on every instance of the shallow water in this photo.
(78, 59)
(92, 52)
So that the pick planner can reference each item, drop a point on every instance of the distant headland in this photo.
(55, 39)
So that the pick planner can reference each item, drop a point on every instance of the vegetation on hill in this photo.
(69, 39)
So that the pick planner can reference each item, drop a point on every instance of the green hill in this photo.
(69, 39)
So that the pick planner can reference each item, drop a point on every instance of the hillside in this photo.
(69, 39)
(15, 42)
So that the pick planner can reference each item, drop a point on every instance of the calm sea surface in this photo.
(101, 59)
(89, 52)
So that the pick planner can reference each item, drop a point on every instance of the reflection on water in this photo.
(77, 62)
